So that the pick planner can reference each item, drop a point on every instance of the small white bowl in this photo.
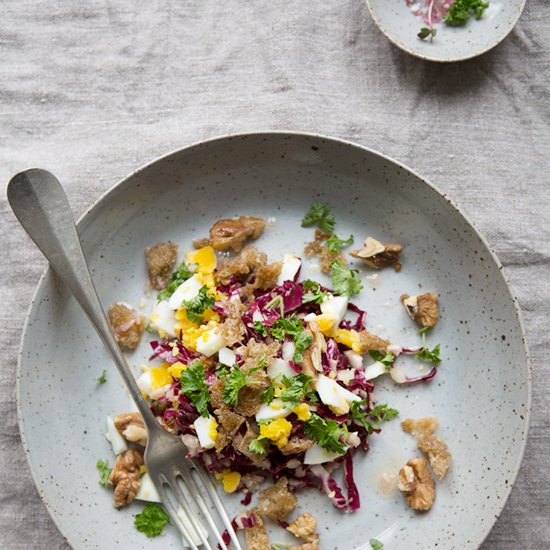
(396, 20)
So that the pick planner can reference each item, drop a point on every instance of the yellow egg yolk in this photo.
(205, 258)
(278, 431)
(160, 377)
(349, 338)
(213, 430)
(176, 369)
(302, 412)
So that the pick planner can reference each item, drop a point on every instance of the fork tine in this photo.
(194, 489)
(207, 482)
(173, 513)
(178, 494)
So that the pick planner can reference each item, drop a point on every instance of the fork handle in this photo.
(41, 206)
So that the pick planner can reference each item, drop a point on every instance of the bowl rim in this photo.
(99, 202)
(418, 55)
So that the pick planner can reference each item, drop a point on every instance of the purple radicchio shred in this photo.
(164, 351)
(422, 378)
(242, 521)
(333, 358)
(247, 499)
(353, 494)
(330, 487)
(359, 322)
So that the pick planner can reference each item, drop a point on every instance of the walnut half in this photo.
(126, 476)
(132, 427)
(417, 484)
(378, 255)
(422, 308)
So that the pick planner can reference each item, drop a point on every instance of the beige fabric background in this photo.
(92, 90)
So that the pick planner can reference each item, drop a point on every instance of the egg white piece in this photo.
(334, 307)
(163, 318)
(274, 410)
(288, 350)
(202, 427)
(186, 291)
(191, 529)
(227, 357)
(334, 395)
(355, 360)
(210, 342)
(291, 265)
(318, 455)
(375, 370)
(147, 490)
(279, 368)
(118, 443)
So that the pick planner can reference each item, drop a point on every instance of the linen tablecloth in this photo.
(92, 90)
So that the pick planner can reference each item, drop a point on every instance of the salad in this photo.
(267, 376)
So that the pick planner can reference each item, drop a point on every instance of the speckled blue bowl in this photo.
(481, 393)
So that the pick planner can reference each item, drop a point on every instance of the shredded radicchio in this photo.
(242, 521)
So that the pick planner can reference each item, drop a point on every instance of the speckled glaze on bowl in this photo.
(395, 19)
(481, 393)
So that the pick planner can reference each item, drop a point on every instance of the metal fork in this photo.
(42, 208)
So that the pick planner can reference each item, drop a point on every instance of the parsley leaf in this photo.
(302, 341)
(152, 520)
(431, 356)
(314, 292)
(459, 13)
(194, 386)
(260, 329)
(334, 244)
(259, 446)
(380, 413)
(180, 275)
(343, 279)
(104, 471)
(425, 32)
(376, 544)
(235, 382)
(197, 305)
(386, 360)
(268, 395)
(296, 387)
(102, 378)
(319, 215)
(283, 327)
(326, 433)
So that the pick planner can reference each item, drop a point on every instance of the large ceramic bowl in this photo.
(481, 393)
(396, 20)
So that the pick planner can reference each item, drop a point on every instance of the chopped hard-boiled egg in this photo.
(227, 357)
(279, 368)
(160, 376)
(210, 342)
(275, 409)
(349, 338)
(318, 455)
(278, 431)
(204, 258)
(287, 350)
(162, 318)
(334, 307)
(176, 369)
(355, 359)
(117, 441)
(302, 412)
(291, 266)
(147, 490)
(186, 291)
(207, 431)
(375, 370)
(335, 396)
(229, 479)
(145, 384)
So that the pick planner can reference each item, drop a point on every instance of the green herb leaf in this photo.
(233, 384)
(149, 328)
(335, 244)
(277, 302)
(326, 433)
(267, 396)
(319, 215)
(459, 13)
(380, 413)
(425, 32)
(343, 279)
(302, 341)
(152, 520)
(260, 329)
(376, 544)
(314, 292)
(199, 304)
(102, 378)
(222, 370)
(431, 356)
(104, 471)
(194, 386)
(386, 359)
(424, 330)
(296, 387)
(180, 275)
(283, 327)
(259, 446)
